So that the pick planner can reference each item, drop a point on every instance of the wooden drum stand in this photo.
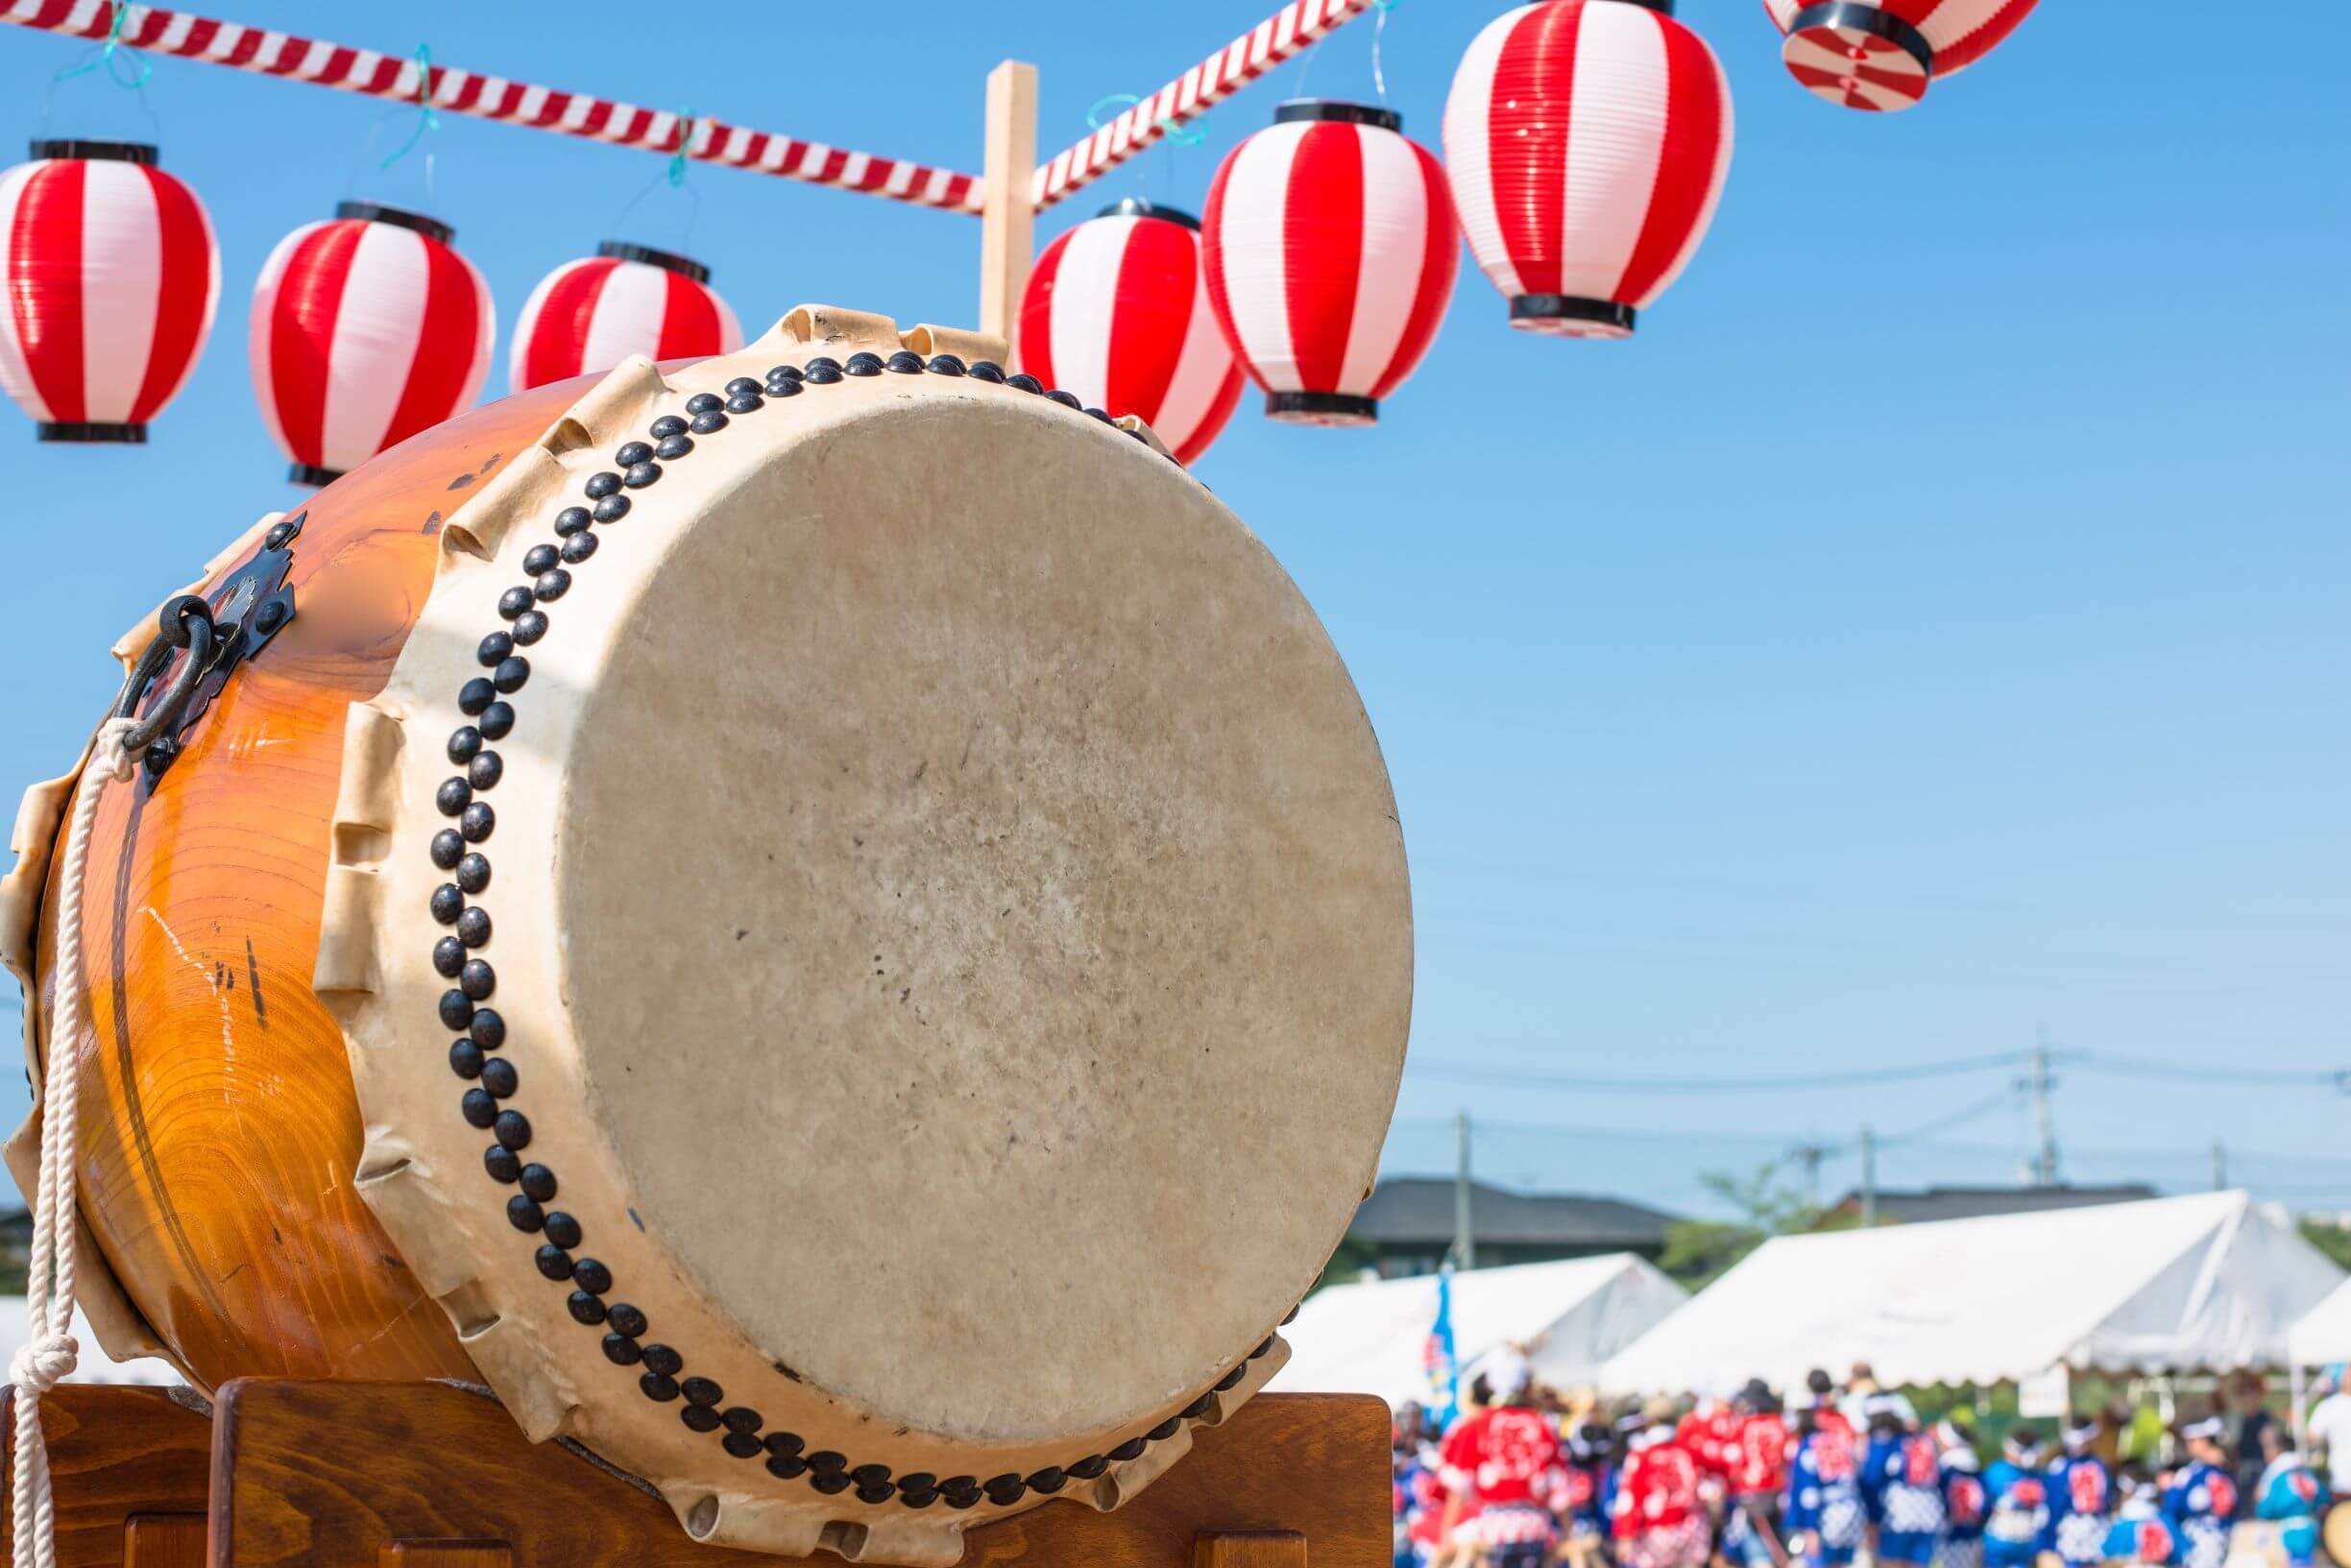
(435, 1474)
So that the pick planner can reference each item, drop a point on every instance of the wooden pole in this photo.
(1008, 214)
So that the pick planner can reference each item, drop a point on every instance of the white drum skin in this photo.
(952, 948)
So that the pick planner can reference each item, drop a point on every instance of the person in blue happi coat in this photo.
(2201, 1498)
(1591, 1491)
(1823, 1512)
(2139, 1532)
(1881, 1434)
(2293, 1494)
(1965, 1502)
(1903, 1487)
(2081, 1500)
(2016, 1502)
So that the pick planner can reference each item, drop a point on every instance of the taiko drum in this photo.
(831, 926)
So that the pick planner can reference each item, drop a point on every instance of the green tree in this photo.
(2330, 1237)
(1766, 1204)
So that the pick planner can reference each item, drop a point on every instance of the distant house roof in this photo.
(1968, 1202)
(1404, 1211)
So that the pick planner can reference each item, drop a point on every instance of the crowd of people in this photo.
(1524, 1479)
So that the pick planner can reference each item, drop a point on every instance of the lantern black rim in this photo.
(666, 260)
(1569, 308)
(310, 473)
(1339, 110)
(115, 152)
(1868, 19)
(1663, 8)
(87, 430)
(1312, 405)
(398, 217)
(1134, 207)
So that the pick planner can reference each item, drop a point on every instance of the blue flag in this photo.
(1436, 1360)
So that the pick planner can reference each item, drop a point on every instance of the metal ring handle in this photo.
(171, 636)
(186, 621)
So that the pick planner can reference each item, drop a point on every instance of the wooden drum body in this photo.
(836, 933)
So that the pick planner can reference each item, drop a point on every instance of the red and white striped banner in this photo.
(373, 75)
(1281, 36)
(1287, 33)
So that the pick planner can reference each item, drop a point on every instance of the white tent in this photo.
(1568, 1318)
(91, 1363)
(2322, 1335)
(2182, 1284)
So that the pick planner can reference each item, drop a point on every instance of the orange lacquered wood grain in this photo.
(218, 1126)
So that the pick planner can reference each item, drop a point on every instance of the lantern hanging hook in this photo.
(113, 49)
(673, 176)
(1106, 101)
(110, 53)
(1182, 135)
(1170, 132)
(428, 117)
(1379, 25)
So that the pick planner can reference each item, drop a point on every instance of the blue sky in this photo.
(1928, 631)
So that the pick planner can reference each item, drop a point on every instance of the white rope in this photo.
(48, 1356)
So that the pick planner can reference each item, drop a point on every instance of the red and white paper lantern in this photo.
(1587, 141)
(589, 315)
(109, 280)
(1117, 314)
(1331, 259)
(1880, 54)
(367, 328)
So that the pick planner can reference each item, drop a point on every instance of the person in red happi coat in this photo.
(1659, 1521)
(1501, 1467)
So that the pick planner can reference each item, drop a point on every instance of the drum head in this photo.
(966, 857)
(2337, 1531)
(946, 937)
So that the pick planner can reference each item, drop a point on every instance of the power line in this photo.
(1917, 1140)
(2237, 1157)
(2183, 1155)
(1606, 1133)
(1565, 1131)
(1966, 1113)
(1489, 1076)
(1516, 1079)
(2099, 1061)
(1813, 1149)
(1809, 1152)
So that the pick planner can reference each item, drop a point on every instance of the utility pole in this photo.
(1465, 1238)
(1869, 1177)
(1809, 1156)
(2045, 1167)
(2219, 1166)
